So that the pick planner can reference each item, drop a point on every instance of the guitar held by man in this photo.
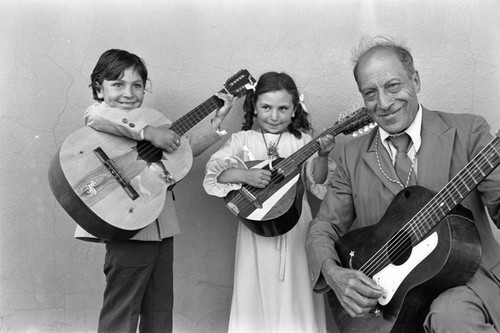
(403, 240)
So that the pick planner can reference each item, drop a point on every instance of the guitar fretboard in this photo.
(351, 123)
(456, 190)
(193, 117)
(440, 205)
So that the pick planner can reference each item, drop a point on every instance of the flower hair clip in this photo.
(301, 101)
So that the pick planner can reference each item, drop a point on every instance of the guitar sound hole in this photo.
(148, 152)
(399, 248)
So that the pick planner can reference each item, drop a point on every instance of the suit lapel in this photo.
(434, 156)
(370, 157)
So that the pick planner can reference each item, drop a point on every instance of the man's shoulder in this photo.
(363, 142)
(455, 119)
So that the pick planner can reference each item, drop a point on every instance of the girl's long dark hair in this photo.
(273, 81)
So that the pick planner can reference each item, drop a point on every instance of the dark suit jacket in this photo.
(361, 194)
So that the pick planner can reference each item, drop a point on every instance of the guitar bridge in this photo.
(166, 175)
(116, 173)
(250, 197)
(233, 208)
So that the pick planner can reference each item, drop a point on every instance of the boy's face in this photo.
(126, 93)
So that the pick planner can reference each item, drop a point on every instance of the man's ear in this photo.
(416, 81)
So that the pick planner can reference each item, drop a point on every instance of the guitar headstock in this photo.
(356, 123)
(236, 84)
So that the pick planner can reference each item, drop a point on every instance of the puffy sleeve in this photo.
(230, 155)
(319, 190)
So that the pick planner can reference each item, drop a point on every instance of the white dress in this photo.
(272, 289)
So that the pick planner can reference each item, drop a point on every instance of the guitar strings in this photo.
(436, 212)
(352, 122)
(183, 124)
(468, 182)
(286, 166)
(460, 175)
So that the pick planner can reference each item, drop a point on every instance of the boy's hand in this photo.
(162, 137)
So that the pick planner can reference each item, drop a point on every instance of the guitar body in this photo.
(115, 203)
(276, 209)
(281, 202)
(449, 256)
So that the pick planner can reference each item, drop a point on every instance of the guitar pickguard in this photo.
(259, 213)
(391, 277)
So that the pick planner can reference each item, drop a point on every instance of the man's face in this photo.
(389, 93)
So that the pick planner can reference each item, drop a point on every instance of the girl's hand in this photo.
(326, 143)
(162, 137)
(257, 177)
(222, 112)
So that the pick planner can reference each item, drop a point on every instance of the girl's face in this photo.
(126, 93)
(274, 111)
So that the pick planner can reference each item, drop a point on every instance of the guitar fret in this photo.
(358, 119)
(459, 187)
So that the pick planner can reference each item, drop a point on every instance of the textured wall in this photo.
(51, 282)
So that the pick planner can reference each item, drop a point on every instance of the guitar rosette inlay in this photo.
(89, 188)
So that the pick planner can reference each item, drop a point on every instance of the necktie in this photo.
(403, 163)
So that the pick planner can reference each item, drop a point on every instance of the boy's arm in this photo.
(111, 120)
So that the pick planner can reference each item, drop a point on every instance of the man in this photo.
(364, 186)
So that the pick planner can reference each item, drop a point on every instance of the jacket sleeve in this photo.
(334, 218)
(102, 117)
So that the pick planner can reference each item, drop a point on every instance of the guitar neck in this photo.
(456, 190)
(193, 117)
(351, 123)
(301, 155)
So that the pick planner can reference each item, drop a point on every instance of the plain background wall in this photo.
(51, 282)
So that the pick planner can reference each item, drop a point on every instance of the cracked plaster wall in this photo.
(50, 282)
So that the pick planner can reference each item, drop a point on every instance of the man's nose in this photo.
(385, 101)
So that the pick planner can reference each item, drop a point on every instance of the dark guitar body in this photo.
(285, 213)
(453, 262)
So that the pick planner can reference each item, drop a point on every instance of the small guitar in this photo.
(275, 209)
(424, 244)
(113, 186)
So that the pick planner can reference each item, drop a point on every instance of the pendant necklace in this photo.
(272, 148)
(383, 172)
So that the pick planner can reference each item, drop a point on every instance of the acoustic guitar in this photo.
(276, 209)
(424, 244)
(113, 186)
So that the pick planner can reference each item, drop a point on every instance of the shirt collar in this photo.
(414, 131)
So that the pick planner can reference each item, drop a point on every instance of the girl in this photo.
(139, 276)
(272, 290)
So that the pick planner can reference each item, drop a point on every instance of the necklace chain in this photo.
(383, 172)
(272, 149)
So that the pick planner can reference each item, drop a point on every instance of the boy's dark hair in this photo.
(273, 81)
(111, 65)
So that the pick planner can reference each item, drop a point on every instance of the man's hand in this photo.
(356, 292)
